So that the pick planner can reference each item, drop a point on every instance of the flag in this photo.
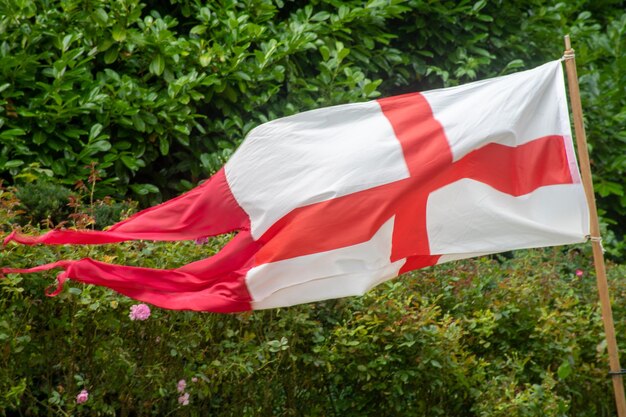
(329, 203)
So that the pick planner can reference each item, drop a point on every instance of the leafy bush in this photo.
(107, 212)
(44, 202)
(602, 86)
(487, 337)
(163, 98)
(159, 95)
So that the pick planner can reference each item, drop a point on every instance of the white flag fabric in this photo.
(331, 202)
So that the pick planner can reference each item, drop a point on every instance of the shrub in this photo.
(107, 212)
(43, 202)
(159, 95)
(493, 336)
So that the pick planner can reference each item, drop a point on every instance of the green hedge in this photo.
(159, 94)
(497, 336)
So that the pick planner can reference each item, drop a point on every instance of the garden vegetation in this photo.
(107, 105)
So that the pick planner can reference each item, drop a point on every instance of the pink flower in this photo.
(182, 384)
(201, 241)
(580, 272)
(184, 399)
(194, 379)
(82, 397)
(139, 312)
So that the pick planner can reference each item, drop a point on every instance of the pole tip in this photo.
(568, 44)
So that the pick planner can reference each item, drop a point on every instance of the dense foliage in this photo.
(488, 337)
(145, 98)
(159, 95)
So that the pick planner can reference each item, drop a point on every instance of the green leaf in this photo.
(118, 33)
(101, 145)
(205, 59)
(479, 5)
(370, 87)
(435, 363)
(564, 370)
(243, 76)
(325, 52)
(164, 145)
(13, 163)
(224, 144)
(184, 129)
(514, 64)
(111, 55)
(342, 53)
(95, 130)
(67, 39)
(130, 162)
(144, 189)
(186, 184)
(138, 122)
(122, 145)
(198, 30)
(320, 16)
(205, 14)
(606, 188)
(39, 137)
(205, 160)
(11, 133)
(157, 66)
(100, 16)
(59, 168)
(74, 133)
(428, 54)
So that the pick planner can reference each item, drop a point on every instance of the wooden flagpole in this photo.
(596, 241)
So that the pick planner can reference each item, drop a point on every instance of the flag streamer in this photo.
(331, 202)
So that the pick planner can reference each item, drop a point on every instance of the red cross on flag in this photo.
(331, 202)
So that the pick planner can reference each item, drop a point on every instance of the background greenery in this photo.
(104, 100)
(518, 336)
(159, 94)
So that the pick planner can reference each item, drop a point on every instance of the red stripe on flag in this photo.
(427, 153)
(332, 224)
(214, 284)
(208, 210)
(422, 137)
(511, 170)
(514, 170)
(353, 219)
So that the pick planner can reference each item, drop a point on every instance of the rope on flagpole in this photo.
(598, 240)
